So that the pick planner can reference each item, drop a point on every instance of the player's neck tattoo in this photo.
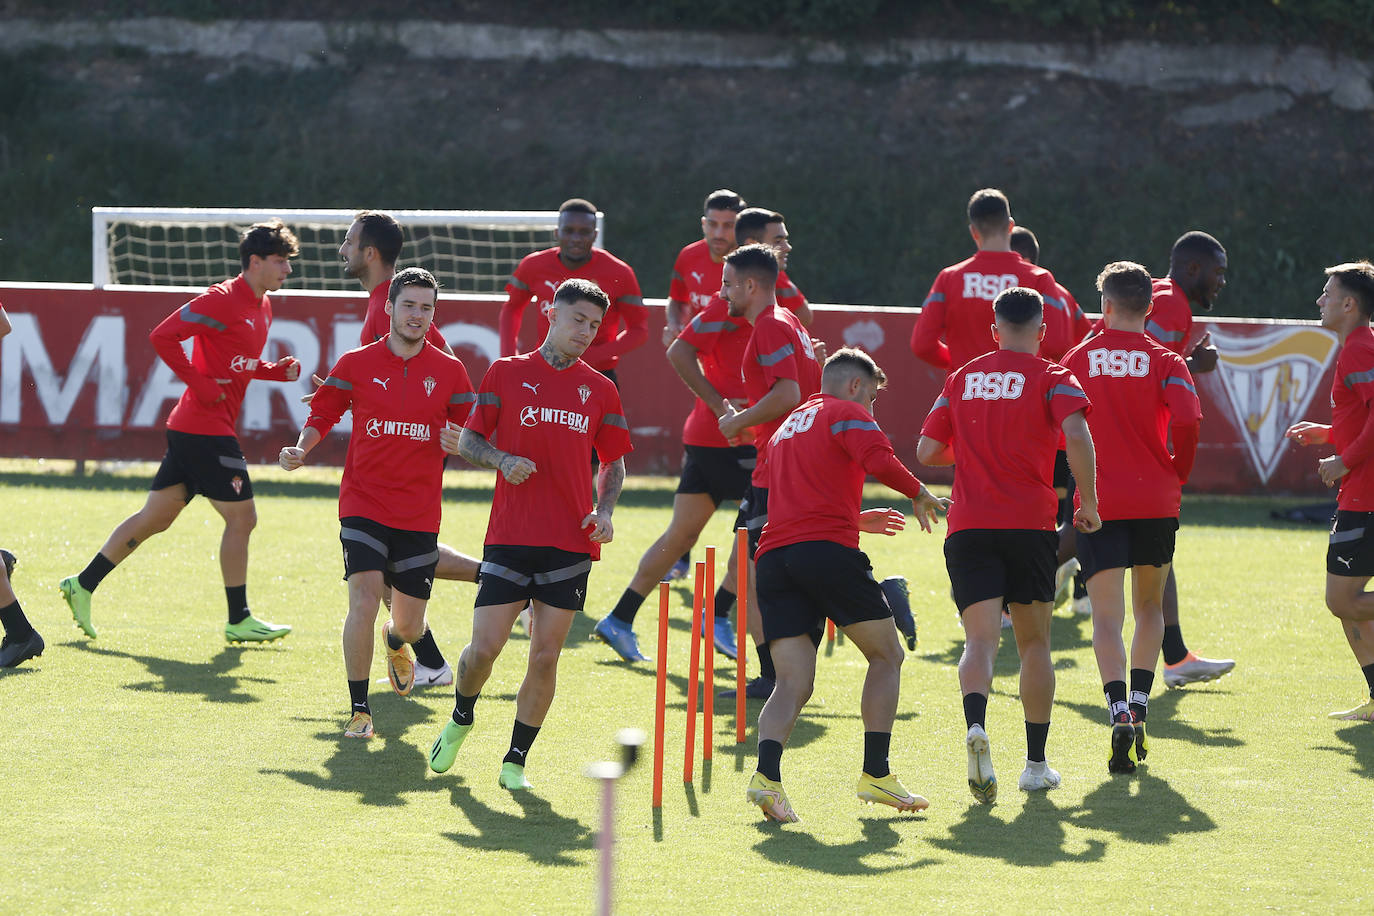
(554, 358)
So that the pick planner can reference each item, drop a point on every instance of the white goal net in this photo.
(471, 251)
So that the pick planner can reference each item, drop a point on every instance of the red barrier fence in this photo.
(79, 379)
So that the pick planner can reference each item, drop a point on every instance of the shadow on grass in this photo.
(1067, 633)
(1359, 741)
(212, 681)
(1036, 837)
(1140, 808)
(536, 831)
(381, 770)
(794, 847)
(1164, 722)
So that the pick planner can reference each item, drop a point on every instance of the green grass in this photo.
(157, 770)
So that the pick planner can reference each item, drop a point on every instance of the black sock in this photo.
(770, 760)
(1080, 587)
(521, 737)
(766, 669)
(1036, 734)
(427, 650)
(237, 596)
(462, 707)
(357, 693)
(975, 709)
(686, 557)
(1174, 649)
(1369, 676)
(17, 626)
(95, 572)
(1141, 682)
(725, 599)
(1115, 692)
(393, 642)
(876, 745)
(627, 607)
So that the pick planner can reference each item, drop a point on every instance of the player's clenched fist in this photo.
(602, 531)
(515, 469)
(291, 457)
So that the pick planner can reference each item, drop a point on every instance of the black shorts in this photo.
(1125, 542)
(210, 465)
(721, 473)
(1351, 549)
(554, 577)
(800, 585)
(1016, 565)
(406, 559)
(754, 510)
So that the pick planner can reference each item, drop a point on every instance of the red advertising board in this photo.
(79, 379)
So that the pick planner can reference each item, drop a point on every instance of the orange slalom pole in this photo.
(830, 629)
(741, 626)
(689, 753)
(661, 693)
(708, 635)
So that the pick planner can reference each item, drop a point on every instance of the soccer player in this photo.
(696, 270)
(956, 316)
(780, 371)
(537, 418)
(228, 326)
(402, 391)
(1142, 396)
(1345, 305)
(1197, 275)
(539, 275)
(810, 567)
(1000, 417)
(21, 641)
(707, 355)
(369, 253)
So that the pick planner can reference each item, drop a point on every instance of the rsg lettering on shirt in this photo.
(377, 427)
(532, 416)
(987, 286)
(1118, 363)
(993, 386)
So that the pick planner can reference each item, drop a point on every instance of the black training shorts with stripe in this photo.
(548, 575)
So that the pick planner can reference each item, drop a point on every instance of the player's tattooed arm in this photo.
(554, 358)
(610, 481)
(474, 448)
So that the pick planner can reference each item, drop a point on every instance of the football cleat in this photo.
(1142, 746)
(1083, 607)
(1194, 668)
(898, 598)
(445, 749)
(10, 561)
(360, 726)
(526, 622)
(1039, 775)
(982, 781)
(679, 571)
(433, 677)
(1122, 759)
(400, 668)
(14, 651)
(1362, 713)
(1063, 580)
(513, 778)
(79, 600)
(888, 791)
(724, 638)
(770, 797)
(619, 636)
(251, 629)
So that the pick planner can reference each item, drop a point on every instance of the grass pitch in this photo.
(157, 769)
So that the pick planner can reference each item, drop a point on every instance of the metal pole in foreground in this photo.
(608, 771)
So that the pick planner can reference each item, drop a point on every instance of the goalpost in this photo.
(472, 251)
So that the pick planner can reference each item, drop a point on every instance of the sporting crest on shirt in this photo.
(429, 384)
(1270, 380)
(237, 484)
(584, 392)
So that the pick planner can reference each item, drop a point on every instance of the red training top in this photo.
(1065, 324)
(377, 324)
(956, 318)
(1171, 318)
(1002, 413)
(228, 326)
(393, 474)
(552, 417)
(537, 277)
(1136, 386)
(818, 460)
(696, 280)
(779, 348)
(1352, 432)
(720, 342)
